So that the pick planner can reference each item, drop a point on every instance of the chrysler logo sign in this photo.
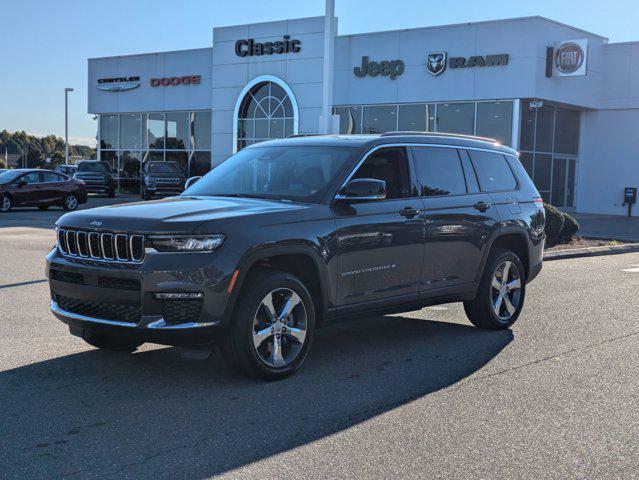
(436, 63)
(118, 84)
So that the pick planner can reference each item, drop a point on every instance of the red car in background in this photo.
(40, 188)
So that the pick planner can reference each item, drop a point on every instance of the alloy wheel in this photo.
(6, 203)
(506, 290)
(71, 202)
(279, 328)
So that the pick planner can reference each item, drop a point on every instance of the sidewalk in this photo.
(610, 227)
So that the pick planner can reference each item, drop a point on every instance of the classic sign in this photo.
(250, 47)
(479, 61)
(436, 63)
(173, 81)
(570, 58)
(385, 68)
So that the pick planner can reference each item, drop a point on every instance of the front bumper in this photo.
(119, 298)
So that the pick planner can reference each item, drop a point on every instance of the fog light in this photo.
(178, 296)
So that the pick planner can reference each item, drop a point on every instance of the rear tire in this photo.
(266, 339)
(499, 300)
(108, 342)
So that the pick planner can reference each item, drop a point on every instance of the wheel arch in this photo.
(515, 240)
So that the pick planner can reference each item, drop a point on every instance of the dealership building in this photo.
(567, 99)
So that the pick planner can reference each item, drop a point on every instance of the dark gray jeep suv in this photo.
(288, 235)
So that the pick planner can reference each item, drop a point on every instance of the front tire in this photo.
(272, 329)
(70, 202)
(108, 342)
(501, 292)
(5, 203)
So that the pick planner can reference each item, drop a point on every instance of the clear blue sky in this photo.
(46, 43)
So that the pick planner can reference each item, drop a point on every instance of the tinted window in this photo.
(495, 120)
(389, 165)
(163, 168)
(99, 167)
(417, 118)
(379, 119)
(33, 177)
(439, 171)
(456, 118)
(52, 177)
(493, 172)
(289, 173)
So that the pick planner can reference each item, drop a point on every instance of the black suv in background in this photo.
(162, 179)
(286, 236)
(97, 176)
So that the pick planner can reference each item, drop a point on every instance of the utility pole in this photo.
(326, 120)
(66, 125)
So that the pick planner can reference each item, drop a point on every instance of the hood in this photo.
(170, 215)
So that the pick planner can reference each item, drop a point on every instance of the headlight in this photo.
(185, 243)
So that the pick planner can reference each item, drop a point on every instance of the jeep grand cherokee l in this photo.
(288, 235)
(162, 179)
(97, 176)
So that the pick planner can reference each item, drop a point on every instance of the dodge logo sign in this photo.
(436, 63)
(569, 58)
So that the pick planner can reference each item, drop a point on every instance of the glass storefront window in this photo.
(566, 131)
(155, 130)
(349, 119)
(456, 118)
(495, 120)
(201, 130)
(545, 127)
(379, 119)
(416, 118)
(108, 131)
(527, 126)
(526, 159)
(131, 131)
(542, 172)
(182, 158)
(177, 131)
(129, 172)
(200, 164)
(154, 156)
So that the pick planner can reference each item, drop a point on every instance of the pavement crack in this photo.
(547, 358)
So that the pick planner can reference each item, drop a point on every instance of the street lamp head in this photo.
(68, 89)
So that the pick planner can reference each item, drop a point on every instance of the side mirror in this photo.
(363, 189)
(191, 181)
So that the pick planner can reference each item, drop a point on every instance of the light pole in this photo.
(66, 125)
(327, 87)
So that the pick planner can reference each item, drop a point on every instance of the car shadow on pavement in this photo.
(152, 413)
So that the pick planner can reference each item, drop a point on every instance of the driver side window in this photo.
(30, 178)
(390, 165)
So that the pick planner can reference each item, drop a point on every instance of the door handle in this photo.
(482, 206)
(409, 212)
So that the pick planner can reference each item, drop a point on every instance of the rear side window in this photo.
(493, 172)
(439, 171)
(52, 177)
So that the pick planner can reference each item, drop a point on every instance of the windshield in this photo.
(164, 168)
(9, 175)
(289, 173)
(93, 167)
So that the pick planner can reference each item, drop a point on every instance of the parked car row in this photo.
(68, 185)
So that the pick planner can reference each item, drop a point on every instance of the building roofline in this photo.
(151, 53)
(482, 22)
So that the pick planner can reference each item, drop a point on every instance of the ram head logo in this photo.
(436, 63)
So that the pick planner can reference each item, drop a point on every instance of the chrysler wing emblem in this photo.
(436, 63)
(95, 223)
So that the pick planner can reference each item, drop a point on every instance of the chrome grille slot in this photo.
(94, 245)
(117, 248)
(107, 246)
(121, 247)
(83, 246)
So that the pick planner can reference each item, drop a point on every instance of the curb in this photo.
(591, 251)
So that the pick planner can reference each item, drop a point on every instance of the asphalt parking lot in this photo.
(419, 395)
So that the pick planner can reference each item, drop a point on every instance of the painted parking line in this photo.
(632, 269)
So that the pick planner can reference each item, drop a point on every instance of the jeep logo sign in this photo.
(385, 68)
(570, 58)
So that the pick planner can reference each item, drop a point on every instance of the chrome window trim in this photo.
(408, 145)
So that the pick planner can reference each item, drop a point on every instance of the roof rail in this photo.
(297, 135)
(436, 134)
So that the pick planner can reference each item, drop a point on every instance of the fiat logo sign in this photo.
(174, 81)
(569, 58)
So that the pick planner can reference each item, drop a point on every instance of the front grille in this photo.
(163, 181)
(119, 283)
(121, 247)
(99, 310)
(67, 277)
(181, 311)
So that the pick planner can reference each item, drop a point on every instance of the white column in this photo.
(327, 86)
(516, 123)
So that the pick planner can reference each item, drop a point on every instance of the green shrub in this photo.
(554, 224)
(571, 226)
